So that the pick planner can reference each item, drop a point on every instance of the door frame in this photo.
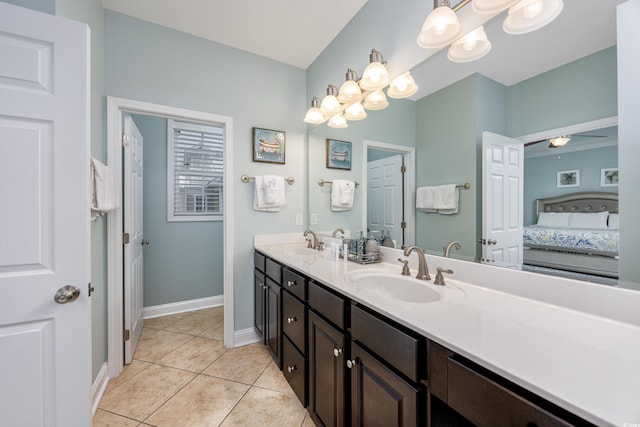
(115, 108)
(409, 185)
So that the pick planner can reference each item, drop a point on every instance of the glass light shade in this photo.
(491, 6)
(472, 46)
(349, 92)
(374, 77)
(402, 86)
(439, 29)
(559, 141)
(314, 115)
(376, 100)
(530, 15)
(330, 104)
(338, 121)
(355, 112)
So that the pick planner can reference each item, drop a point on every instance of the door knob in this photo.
(66, 294)
(146, 242)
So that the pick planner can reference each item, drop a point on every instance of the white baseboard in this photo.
(182, 306)
(245, 336)
(98, 387)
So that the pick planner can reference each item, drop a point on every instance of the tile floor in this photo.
(182, 375)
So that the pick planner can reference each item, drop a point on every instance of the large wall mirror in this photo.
(508, 92)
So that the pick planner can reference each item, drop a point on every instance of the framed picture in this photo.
(268, 145)
(569, 178)
(609, 177)
(338, 154)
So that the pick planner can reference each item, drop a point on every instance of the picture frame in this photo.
(339, 154)
(269, 145)
(569, 178)
(609, 177)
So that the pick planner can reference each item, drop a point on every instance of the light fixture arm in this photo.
(460, 5)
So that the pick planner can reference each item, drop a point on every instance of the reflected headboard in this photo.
(589, 201)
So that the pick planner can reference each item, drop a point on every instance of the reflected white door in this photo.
(384, 196)
(502, 204)
(45, 369)
(133, 224)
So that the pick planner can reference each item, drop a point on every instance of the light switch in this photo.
(314, 219)
(298, 219)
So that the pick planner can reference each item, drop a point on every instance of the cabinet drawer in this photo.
(487, 403)
(274, 270)
(294, 283)
(259, 261)
(294, 367)
(403, 351)
(328, 304)
(294, 320)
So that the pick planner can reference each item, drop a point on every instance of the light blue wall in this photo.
(46, 6)
(184, 259)
(540, 175)
(150, 63)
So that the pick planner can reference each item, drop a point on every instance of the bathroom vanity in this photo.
(362, 345)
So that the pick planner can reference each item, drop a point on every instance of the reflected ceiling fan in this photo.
(559, 141)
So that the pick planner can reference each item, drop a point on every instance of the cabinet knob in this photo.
(264, 286)
(290, 369)
(291, 283)
(337, 352)
(351, 363)
(291, 319)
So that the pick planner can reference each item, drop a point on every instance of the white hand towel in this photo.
(342, 195)
(268, 194)
(447, 197)
(271, 190)
(425, 199)
(105, 187)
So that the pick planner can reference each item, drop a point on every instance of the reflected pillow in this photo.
(554, 219)
(613, 221)
(588, 220)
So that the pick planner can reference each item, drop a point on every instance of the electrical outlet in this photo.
(314, 219)
(298, 219)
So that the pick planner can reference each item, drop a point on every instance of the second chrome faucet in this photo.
(423, 270)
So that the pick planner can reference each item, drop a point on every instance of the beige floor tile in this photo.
(129, 371)
(215, 314)
(265, 408)
(155, 344)
(164, 321)
(194, 324)
(107, 419)
(273, 379)
(205, 401)
(242, 364)
(194, 355)
(143, 394)
(216, 332)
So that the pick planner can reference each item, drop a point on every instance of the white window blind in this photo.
(195, 171)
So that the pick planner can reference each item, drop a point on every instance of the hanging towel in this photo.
(268, 195)
(442, 199)
(105, 188)
(342, 194)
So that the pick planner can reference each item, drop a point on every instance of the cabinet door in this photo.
(259, 288)
(326, 373)
(273, 319)
(381, 398)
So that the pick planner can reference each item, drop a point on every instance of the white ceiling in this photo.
(291, 31)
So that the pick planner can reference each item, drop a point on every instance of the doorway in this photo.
(116, 108)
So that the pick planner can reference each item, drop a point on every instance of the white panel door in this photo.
(45, 360)
(384, 196)
(502, 204)
(133, 224)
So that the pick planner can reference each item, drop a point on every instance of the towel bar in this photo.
(464, 186)
(246, 178)
(322, 182)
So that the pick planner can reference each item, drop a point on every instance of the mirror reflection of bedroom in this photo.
(571, 206)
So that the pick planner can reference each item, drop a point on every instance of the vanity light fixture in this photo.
(355, 95)
(470, 47)
(559, 141)
(530, 15)
(441, 26)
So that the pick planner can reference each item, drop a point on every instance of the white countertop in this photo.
(588, 364)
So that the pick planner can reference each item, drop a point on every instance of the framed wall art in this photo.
(569, 178)
(609, 177)
(338, 154)
(268, 145)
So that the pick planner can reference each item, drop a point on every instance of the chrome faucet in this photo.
(336, 231)
(447, 248)
(312, 244)
(423, 270)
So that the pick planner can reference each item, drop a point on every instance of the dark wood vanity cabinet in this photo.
(259, 290)
(294, 333)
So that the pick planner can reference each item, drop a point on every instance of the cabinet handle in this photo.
(291, 319)
(291, 283)
(290, 369)
(264, 287)
(337, 352)
(351, 363)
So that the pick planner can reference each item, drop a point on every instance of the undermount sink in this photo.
(401, 288)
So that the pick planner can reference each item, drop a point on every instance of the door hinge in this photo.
(125, 140)
(403, 169)
(125, 238)
(126, 335)
(90, 289)
(403, 225)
